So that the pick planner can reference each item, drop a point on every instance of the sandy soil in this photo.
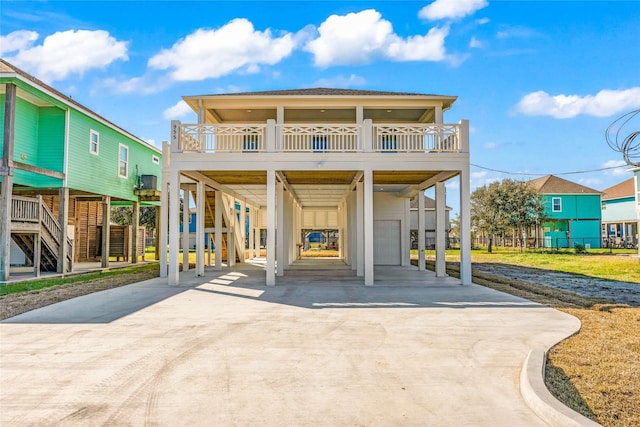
(618, 292)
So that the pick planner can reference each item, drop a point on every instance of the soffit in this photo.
(402, 177)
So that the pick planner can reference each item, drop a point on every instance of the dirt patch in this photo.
(610, 290)
(14, 304)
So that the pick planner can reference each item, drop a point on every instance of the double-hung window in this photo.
(94, 142)
(123, 161)
(556, 204)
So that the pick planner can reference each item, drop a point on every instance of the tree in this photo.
(505, 204)
(123, 215)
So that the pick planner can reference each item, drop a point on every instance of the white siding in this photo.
(390, 231)
(386, 242)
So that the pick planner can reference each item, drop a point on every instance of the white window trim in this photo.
(553, 204)
(120, 146)
(155, 159)
(91, 133)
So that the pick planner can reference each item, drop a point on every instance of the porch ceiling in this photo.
(322, 115)
(314, 188)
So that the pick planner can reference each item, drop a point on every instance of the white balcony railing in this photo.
(415, 138)
(319, 138)
(325, 138)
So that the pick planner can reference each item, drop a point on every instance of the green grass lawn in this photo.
(621, 264)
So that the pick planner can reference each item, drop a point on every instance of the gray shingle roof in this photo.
(624, 189)
(551, 184)
(320, 91)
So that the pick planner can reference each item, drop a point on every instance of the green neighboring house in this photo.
(64, 164)
(573, 213)
(619, 216)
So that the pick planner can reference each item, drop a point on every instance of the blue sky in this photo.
(539, 81)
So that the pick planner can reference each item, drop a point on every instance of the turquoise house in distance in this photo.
(619, 216)
(573, 213)
(62, 167)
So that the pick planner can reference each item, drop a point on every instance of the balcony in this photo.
(319, 138)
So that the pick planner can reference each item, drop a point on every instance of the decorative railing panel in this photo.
(25, 209)
(416, 138)
(320, 138)
(222, 138)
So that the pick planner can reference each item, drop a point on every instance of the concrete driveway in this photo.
(225, 350)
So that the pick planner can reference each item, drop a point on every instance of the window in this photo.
(123, 161)
(556, 204)
(388, 143)
(155, 159)
(251, 143)
(319, 143)
(94, 142)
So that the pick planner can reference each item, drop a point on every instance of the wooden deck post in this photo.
(63, 219)
(6, 188)
(135, 221)
(106, 219)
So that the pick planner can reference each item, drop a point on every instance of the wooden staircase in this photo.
(31, 223)
(209, 223)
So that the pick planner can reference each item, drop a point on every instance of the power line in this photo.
(544, 174)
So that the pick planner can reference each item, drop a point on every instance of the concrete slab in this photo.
(226, 350)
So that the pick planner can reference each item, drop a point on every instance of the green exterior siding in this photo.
(99, 173)
(578, 222)
(40, 141)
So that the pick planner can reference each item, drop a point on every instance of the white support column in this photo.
(465, 209)
(218, 230)
(185, 228)
(360, 229)
(280, 244)
(421, 227)
(163, 224)
(271, 228)
(200, 201)
(251, 232)
(406, 234)
(368, 228)
(243, 230)
(367, 135)
(231, 233)
(441, 270)
(174, 227)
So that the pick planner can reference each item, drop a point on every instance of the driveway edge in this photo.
(540, 400)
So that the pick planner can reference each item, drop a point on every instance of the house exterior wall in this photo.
(39, 141)
(618, 210)
(387, 207)
(578, 221)
(99, 173)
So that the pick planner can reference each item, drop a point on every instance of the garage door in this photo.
(386, 242)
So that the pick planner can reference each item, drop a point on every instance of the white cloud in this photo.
(341, 81)
(451, 9)
(17, 40)
(590, 182)
(483, 21)
(618, 165)
(475, 43)
(358, 38)
(478, 175)
(177, 111)
(489, 145)
(236, 46)
(512, 32)
(64, 53)
(603, 104)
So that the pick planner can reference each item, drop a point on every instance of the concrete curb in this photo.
(541, 401)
